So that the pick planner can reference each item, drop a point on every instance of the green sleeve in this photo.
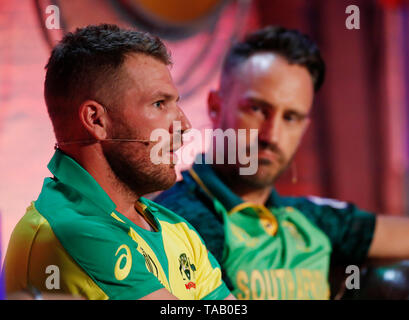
(349, 228)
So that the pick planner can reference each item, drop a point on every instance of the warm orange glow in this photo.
(178, 11)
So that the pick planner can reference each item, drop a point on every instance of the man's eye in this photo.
(255, 108)
(158, 104)
(291, 117)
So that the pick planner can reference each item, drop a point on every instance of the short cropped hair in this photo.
(294, 46)
(86, 64)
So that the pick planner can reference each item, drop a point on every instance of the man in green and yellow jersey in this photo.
(90, 233)
(270, 246)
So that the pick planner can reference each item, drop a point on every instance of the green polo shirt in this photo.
(281, 250)
(73, 240)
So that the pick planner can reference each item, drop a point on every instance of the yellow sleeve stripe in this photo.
(34, 241)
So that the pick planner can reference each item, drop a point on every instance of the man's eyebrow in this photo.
(269, 105)
(258, 101)
(165, 96)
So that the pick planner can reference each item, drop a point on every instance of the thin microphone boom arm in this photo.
(58, 144)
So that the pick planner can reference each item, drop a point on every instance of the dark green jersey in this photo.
(278, 251)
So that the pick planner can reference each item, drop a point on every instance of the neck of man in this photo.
(242, 188)
(91, 158)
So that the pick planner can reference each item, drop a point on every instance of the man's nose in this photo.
(271, 130)
(183, 122)
(186, 125)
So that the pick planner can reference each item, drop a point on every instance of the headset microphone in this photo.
(59, 144)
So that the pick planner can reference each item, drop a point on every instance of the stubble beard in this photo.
(132, 167)
(265, 177)
(261, 179)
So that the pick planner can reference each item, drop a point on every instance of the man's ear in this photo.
(214, 107)
(94, 119)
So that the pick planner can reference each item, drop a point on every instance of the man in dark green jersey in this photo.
(269, 246)
(90, 233)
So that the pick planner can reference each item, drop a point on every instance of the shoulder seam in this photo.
(44, 220)
(74, 260)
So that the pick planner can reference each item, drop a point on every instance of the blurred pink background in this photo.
(355, 150)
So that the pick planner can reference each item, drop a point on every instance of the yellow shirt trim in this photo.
(32, 248)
